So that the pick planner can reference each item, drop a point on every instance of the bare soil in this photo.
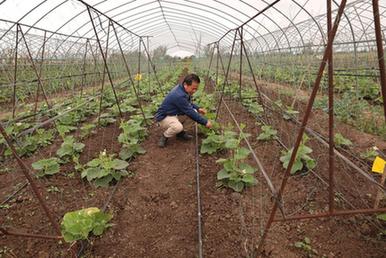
(155, 211)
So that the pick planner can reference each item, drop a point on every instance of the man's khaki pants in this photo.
(173, 125)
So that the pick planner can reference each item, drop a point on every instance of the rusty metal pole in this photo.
(40, 72)
(40, 84)
(210, 63)
(34, 187)
(259, 97)
(240, 30)
(15, 73)
(154, 70)
(217, 60)
(103, 76)
(83, 69)
(129, 74)
(226, 77)
(23, 234)
(96, 69)
(104, 60)
(139, 76)
(304, 122)
(381, 58)
(148, 66)
(331, 154)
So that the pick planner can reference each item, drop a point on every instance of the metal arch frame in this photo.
(104, 13)
(220, 25)
(285, 16)
(258, 23)
(156, 17)
(25, 15)
(222, 17)
(301, 9)
(201, 10)
(165, 20)
(178, 22)
(110, 17)
(273, 21)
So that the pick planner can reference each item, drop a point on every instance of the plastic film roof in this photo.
(186, 26)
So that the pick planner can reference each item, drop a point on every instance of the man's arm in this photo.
(185, 107)
(195, 106)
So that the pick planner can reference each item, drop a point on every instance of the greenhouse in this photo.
(192, 128)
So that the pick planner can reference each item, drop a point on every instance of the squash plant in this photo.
(132, 134)
(86, 130)
(104, 169)
(255, 108)
(46, 167)
(216, 142)
(268, 133)
(302, 160)
(77, 225)
(341, 141)
(69, 148)
(64, 129)
(289, 113)
(369, 155)
(235, 173)
(30, 143)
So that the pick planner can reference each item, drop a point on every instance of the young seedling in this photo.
(369, 155)
(46, 167)
(305, 245)
(268, 133)
(290, 113)
(235, 173)
(132, 134)
(86, 130)
(341, 141)
(104, 169)
(77, 225)
(69, 148)
(302, 158)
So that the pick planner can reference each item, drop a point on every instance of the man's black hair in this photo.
(190, 78)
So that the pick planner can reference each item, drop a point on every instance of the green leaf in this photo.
(46, 167)
(231, 143)
(299, 245)
(95, 172)
(341, 141)
(104, 181)
(247, 169)
(249, 179)
(93, 163)
(382, 217)
(241, 153)
(222, 174)
(119, 164)
(236, 186)
(78, 224)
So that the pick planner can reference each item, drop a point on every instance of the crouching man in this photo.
(176, 107)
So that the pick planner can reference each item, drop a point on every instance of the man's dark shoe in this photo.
(184, 136)
(162, 141)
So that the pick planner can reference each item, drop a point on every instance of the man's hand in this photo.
(202, 111)
(208, 124)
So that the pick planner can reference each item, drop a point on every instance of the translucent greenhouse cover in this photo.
(187, 26)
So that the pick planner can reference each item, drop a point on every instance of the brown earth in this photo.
(155, 212)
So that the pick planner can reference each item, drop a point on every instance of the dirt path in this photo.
(155, 214)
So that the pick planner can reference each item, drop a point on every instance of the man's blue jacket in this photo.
(178, 102)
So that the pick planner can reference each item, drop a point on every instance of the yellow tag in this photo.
(138, 77)
(379, 165)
